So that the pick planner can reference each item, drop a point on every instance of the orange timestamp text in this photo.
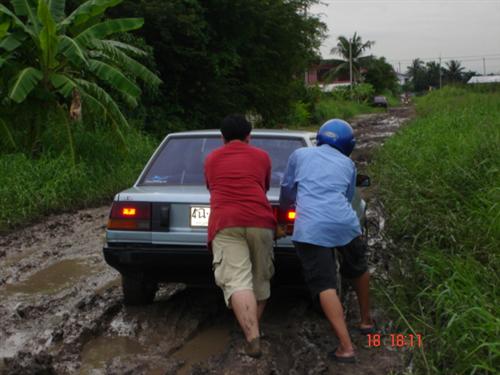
(395, 340)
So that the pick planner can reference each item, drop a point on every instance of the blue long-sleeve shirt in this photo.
(321, 181)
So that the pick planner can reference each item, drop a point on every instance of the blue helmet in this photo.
(338, 134)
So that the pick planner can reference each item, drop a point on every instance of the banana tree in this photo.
(61, 58)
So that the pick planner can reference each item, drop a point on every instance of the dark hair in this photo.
(235, 127)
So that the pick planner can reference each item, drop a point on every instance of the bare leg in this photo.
(244, 306)
(330, 303)
(362, 288)
(261, 305)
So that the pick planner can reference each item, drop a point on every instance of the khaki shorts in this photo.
(243, 260)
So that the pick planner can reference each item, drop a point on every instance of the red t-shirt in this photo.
(238, 177)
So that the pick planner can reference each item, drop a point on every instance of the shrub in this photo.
(299, 115)
(363, 92)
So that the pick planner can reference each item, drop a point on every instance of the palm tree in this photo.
(62, 59)
(416, 71)
(350, 50)
(433, 73)
(415, 68)
(454, 71)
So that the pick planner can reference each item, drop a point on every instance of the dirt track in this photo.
(61, 310)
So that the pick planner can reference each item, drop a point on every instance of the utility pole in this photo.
(306, 72)
(399, 64)
(440, 81)
(484, 66)
(350, 64)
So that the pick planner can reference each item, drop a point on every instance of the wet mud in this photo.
(61, 308)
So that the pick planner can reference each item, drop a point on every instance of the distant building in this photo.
(402, 78)
(484, 79)
(329, 87)
(318, 75)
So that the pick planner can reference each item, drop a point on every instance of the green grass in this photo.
(31, 188)
(393, 100)
(440, 182)
(329, 108)
(325, 107)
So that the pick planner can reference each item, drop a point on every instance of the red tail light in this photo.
(130, 216)
(286, 218)
(129, 212)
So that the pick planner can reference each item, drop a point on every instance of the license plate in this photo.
(199, 216)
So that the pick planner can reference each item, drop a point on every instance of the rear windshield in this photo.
(181, 160)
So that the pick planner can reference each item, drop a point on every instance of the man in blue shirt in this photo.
(321, 181)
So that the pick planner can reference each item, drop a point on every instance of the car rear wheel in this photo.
(138, 290)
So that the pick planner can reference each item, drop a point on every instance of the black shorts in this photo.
(319, 265)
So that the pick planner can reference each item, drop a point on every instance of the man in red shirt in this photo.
(241, 226)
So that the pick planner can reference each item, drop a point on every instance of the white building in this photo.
(484, 79)
(402, 78)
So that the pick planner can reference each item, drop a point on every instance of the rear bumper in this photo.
(189, 264)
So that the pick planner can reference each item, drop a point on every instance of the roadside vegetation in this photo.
(439, 180)
(58, 63)
(315, 107)
(68, 78)
(31, 188)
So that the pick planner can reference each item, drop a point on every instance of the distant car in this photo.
(380, 101)
(157, 229)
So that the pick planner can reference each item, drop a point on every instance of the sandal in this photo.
(369, 330)
(334, 357)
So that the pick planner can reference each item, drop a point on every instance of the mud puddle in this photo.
(207, 343)
(52, 279)
(98, 352)
(61, 310)
(372, 129)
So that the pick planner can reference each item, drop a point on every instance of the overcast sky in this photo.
(406, 29)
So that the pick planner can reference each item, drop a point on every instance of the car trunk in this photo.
(181, 202)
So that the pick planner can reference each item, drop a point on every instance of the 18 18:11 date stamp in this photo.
(395, 340)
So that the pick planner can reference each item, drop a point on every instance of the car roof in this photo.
(255, 132)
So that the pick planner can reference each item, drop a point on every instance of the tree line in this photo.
(352, 61)
(424, 76)
(222, 56)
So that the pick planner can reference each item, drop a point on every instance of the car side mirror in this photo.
(362, 180)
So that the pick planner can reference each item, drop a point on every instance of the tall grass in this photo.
(440, 182)
(329, 108)
(33, 187)
(324, 109)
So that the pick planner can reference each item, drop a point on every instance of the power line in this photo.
(479, 57)
(491, 59)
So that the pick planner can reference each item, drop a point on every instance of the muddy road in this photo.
(61, 309)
